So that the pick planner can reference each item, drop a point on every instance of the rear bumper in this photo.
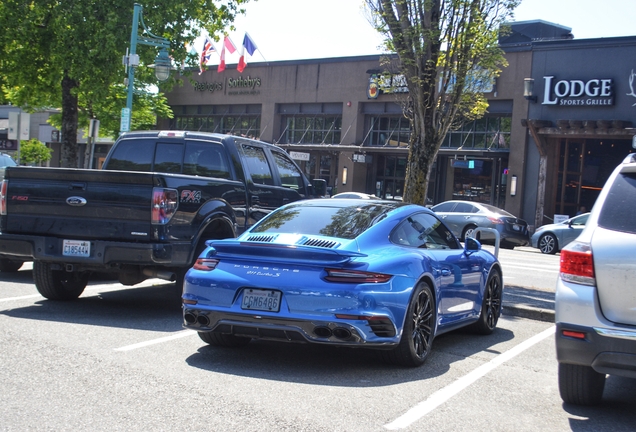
(607, 347)
(605, 350)
(102, 253)
(288, 329)
(515, 239)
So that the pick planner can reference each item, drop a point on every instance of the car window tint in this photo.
(443, 207)
(619, 208)
(257, 165)
(132, 155)
(465, 208)
(290, 177)
(580, 220)
(206, 159)
(424, 230)
(341, 222)
(168, 158)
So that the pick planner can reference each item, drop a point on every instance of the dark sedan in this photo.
(463, 217)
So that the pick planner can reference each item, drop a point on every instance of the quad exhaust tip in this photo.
(338, 332)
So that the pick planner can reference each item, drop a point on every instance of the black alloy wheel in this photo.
(491, 305)
(419, 330)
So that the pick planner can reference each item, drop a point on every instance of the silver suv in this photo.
(596, 294)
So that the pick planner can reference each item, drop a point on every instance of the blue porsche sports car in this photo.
(365, 273)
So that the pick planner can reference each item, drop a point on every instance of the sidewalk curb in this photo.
(528, 302)
(522, 311)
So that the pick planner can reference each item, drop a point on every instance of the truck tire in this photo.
(58, 284)
(9, 265)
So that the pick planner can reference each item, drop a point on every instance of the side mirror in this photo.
(471, 245)
(320, 187)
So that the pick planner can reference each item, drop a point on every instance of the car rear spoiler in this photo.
(267, 252)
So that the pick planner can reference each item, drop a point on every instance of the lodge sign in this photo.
(595, 92)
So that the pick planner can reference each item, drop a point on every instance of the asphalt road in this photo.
(118, 359)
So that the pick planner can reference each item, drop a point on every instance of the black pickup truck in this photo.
(147, 213)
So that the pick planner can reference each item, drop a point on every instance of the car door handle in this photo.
(255, 199)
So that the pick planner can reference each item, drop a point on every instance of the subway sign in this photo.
(594, 92)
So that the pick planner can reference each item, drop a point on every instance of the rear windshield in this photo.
(496, 210)
(619, 207)
(341, 222)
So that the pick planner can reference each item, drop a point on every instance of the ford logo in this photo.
(75, 201)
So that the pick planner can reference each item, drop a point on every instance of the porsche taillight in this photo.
(164, 205)
(355, 276)
(577, 264)
(205, 264)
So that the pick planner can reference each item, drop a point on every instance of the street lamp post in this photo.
(162, 64)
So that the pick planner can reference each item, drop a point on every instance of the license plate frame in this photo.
(260, 299)
(76, 248)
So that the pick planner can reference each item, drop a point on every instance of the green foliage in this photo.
(34, 151)
(447, 50)
(68, 55)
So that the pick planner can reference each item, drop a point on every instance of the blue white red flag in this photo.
(250, 47)
(206, 53)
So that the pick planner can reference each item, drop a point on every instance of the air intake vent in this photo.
(261, 238)
(320, 243)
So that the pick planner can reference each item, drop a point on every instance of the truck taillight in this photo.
(164, 205)
(3, 197)
(577, 264)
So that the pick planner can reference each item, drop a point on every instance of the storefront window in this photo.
(394, 131)
(472, 180)
(311, 130)
(243, 120)
(390, 177)
(484, 133)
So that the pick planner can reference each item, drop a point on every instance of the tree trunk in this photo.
(68, 156)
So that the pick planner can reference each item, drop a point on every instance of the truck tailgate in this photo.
(79, 204)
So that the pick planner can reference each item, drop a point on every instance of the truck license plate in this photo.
(261, 299)
(77, 248)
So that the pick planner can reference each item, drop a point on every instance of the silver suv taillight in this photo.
(577, 264)
(164, 205)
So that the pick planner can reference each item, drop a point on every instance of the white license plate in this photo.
(77, 248)
(260, 299)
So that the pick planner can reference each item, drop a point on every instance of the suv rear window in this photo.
(619, 208)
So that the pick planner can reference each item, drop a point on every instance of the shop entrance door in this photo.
(569, 180)
(584, 167)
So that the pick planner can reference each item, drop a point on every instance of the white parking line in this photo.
(444, 394)
(177, 335)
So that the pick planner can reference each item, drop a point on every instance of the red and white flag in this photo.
(227, 43)
(250, 47)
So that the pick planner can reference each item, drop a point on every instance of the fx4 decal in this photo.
(188, 196)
